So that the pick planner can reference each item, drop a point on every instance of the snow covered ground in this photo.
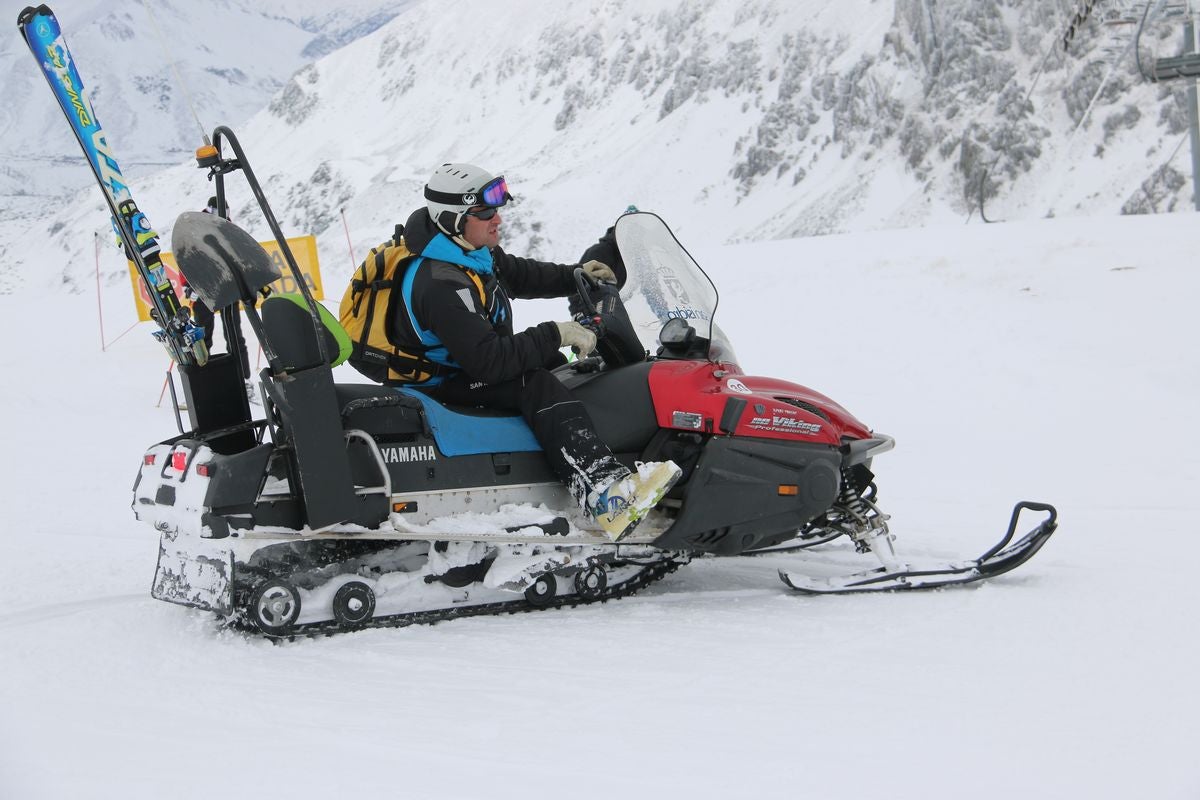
(1050, 360)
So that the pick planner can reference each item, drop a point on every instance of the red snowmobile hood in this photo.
(691, 395)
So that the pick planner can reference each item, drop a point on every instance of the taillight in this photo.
(148, 459)
(179, 460)
(204, 470)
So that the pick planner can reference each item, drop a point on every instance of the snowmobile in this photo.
(348, 505)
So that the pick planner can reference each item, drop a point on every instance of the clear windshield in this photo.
(664, 282)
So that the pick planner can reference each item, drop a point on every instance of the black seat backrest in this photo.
(288, 325)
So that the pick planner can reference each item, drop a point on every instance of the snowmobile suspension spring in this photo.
(869, 520)
(853, 502)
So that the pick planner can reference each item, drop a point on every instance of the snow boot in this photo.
(621, 505)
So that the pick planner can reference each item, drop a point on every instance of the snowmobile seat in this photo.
(461, 431)
(387, 412)
(380, 411)
(624, 418)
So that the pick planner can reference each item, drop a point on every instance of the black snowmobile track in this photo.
(652, 573)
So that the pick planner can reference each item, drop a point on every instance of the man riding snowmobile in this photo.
(454, 310)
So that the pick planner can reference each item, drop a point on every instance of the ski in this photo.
(182, 338)
(1001, 558)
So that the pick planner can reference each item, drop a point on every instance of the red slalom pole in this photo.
(349, 244)
(99, 302)
(170, 367)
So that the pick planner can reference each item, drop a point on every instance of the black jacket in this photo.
(460, 314)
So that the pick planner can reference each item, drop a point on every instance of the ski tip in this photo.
(802, 583)
(1050, 511)
(806, 584)
(26, 16)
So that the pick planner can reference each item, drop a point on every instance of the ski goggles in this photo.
(493, 193)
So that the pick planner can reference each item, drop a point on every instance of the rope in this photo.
(187, 97)
(127, 330)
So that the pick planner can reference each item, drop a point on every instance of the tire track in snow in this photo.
(34, 614)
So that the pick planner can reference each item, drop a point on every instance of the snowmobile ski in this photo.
(996, 561)
(181, 337)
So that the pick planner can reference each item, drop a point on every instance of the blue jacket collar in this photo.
(442, 248)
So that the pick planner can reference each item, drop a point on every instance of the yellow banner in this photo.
(304, 250)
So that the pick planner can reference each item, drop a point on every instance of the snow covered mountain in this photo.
(122, 52)
(736, 120)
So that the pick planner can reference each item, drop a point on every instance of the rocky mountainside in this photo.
(737, 120)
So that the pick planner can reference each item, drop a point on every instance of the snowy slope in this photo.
(1048, 360)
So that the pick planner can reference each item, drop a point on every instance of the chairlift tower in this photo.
(1185, 66)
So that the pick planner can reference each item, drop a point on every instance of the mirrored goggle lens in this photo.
(495, 193)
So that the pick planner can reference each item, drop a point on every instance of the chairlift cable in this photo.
(187, 96)
(1037, 75)
(1112, 67)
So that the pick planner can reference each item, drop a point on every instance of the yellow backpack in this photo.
(368, 304)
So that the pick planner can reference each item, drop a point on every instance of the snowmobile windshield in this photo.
(664, 282)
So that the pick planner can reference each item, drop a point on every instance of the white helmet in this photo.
(454, 189)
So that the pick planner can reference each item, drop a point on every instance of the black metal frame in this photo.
(300, 404)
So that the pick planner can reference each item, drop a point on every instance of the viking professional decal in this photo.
(785, 424)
